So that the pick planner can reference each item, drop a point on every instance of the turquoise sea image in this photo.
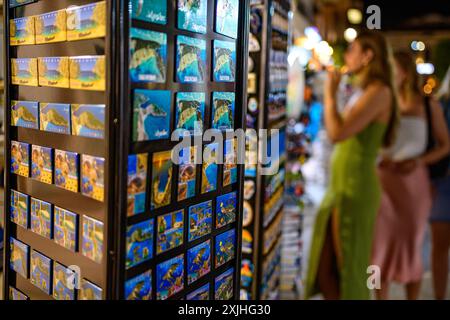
(223, 110)
(227, 14)
(192, 15)
(210, 168)
(224, 61)
(154, 11)
(190, 112)
(191, 60)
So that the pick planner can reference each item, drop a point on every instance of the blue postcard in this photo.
(191, 60)
(25, 114)
(170, 231)
(190, 112)
(223, 110)
(225, 247)
(139, 243)
(89, 291)
(19, 208)
(192, 15)
(225, 209)
(151, 115)
(200, 220)
(186, 173)
(230, 163)
(148, 52)
(40, 271)
(169, 277)
(55, 117)
(66, 170)
(161, 191)
(210, 168)
(41, 218)
(88, 120)
(224, 61)
(137, 183)
(42, 164)
(93, 177)
(21, 31)
(65, 229)
(154, 11)
(223, 285)
(139, 287)
(19, 257)
(62, 277)
(201, 293)
(16, 295)
(198, 261)
(92, 240)
(227, 15)
(20, 158)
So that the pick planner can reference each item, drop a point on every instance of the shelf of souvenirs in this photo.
(271, 272)
(282, 8)
(272, 233)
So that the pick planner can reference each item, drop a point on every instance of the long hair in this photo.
(444, 90)
(410, 86)
(380, 68)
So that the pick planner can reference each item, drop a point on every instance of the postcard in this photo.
(25, 114)
(225, 209)
(88, 73)
(170, 231)
(16, 295)
(137, 183)
(64, 282)
(148, 52)
(169, 277)
(42, 164)
(86, 22)
(192, 15)
(230, 163)
(139, 243)
(19, 208)
(89, 291)
(151, 114)
(55, 117)
(19, 257)
(88, 120)
(223, 285)
(187, 173)
(20, 158)
(227, 15)
(190, 112)
(223, 110)
(191, 60)
(139, 287)
(66, 228)
(198, 261)
(16, 3)
(200, 220)
(66, 170)
(54, 72)
(210, 167)
(24, 72)
(201, 293)
(51, 27)
(225, 247)
(41, 218)
(224, 61)
(161, 187)
(154, 11)
(21, 31)
(92, 241)
(40, 271)
(93, 177)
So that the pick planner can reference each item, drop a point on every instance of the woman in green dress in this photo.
(342, 238)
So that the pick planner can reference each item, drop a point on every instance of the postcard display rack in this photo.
(266, 109)
(98, 209)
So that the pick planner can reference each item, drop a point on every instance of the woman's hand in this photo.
(332, 82)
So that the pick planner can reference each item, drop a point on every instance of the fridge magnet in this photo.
(224, 61)
(20, 158)
(55, 117)
(191, 60)
(40, 271)
(88, 73)
(66, 170)
(210, 168)
(16, 3)
(169, 277)
(54, 72)
(89, 291)
(148, 52)
(230, 166)
(42, 164)
(139, 287)
(249, 189)
(137, 183)
(86, 22)
(41, 218)
(139, 243)
(19, 255)
(170, 231)
(223, 285)
(151, 115)
(198, 261)
(192, 15)
(24, 72)
(88, 120)
(21, 31)
(25, 114)
(16, 295)
(186, 173)
(19, 208)
(161, 186)
(201, 293)
(200, 220)
(190, 112)
(154, 11)
(51, 27)
(92, 241)
(225, 209)
(247, 270)
(93, 177)
(223, 110)
(65, 228)
(227, 14)
(225, 243)
(247, 214)
(253, 44)
(62, 277)
(247, 242)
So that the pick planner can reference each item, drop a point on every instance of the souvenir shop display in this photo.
(108, 102)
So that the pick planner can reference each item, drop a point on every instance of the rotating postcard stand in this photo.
(94, 90)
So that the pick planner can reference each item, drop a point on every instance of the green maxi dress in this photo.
(354, 194)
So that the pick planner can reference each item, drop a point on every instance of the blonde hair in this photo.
(380, 68)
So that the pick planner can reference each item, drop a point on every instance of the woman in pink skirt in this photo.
(406, 199)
